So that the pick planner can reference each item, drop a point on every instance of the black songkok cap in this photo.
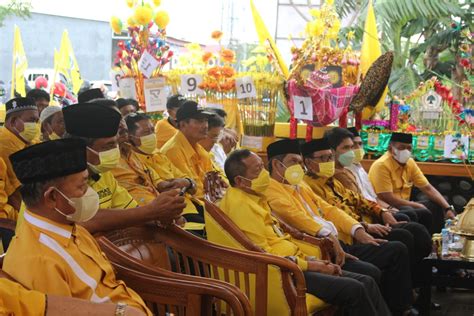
(354, 131)
(283, 147)
(49, 160)
(20, 104)
(89, 95)
(191, 110)
(401, 138)
(91, 120)
(314, 145)
(175, 101)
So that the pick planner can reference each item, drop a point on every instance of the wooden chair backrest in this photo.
(119, 257)
(191, 255)
(164, 295)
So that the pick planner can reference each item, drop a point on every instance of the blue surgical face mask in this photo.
(347, 158)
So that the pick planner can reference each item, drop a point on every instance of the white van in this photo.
(32, 73)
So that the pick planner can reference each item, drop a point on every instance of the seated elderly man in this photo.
(395, 173)
(294, 201)
(52, 252)
(319, 160)
(98, 126)
(52, 123)
(245, 204)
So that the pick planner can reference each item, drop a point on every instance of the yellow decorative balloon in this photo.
(130, 3)
(116, 25)
(131, 22)
(143, 15)
(157, 3)
(162, 19)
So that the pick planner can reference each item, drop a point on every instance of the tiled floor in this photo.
(454, 302)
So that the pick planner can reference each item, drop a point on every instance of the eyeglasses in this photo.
(324, 158)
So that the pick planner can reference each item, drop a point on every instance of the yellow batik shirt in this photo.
(135, 177)
(64, 260)
(387, 175)
(161, 165)
(355, 205)
(194, 162)
(9, 144)
(164, 132)
(111, 194)
(16, 300)
(288, 203)
(252, 214)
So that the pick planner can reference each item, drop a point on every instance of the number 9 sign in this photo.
(190, 84)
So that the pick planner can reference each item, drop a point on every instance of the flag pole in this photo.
(12, 94)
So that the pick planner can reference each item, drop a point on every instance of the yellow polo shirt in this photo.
(16, 300)
(164, 132)
(139, 180)
(287, 203)
(194, 162)
(111, 194)
(9, 144)
(64, 260)
(387, 175)
(6, 210)
(252, 214)
(161, 165)
(335, 193)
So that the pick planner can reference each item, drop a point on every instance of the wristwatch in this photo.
(120, 309)
(191, 184)
(450, 208)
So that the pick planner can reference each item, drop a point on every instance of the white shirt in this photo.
(363, 182)
(219, 155)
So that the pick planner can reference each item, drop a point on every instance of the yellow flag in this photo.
(265, 38)
(65, 62)
(19, 65)
(369, 53)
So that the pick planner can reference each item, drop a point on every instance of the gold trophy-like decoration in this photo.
(465, 228)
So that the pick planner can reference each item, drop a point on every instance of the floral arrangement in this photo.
(147, 30)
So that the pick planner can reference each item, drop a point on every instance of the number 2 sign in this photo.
(303, 108)
(190, 84)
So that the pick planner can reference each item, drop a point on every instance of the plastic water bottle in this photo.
(444, 242)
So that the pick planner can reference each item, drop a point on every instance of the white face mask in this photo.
(401, 156)
(85, 206)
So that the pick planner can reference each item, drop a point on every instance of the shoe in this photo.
(435, 306)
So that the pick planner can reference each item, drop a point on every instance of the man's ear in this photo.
(50, 195)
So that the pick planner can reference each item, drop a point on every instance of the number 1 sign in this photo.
(303, 107)
(190, 84)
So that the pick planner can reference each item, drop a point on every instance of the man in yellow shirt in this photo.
(52, 123)
(184, 151)
(247, 207)
(6, 210)
(294, 201)
(98, 125)
(16, 300)
(211, 142)
(167, 127)
(319, 160)
(51, 251)
(127, 106)
(21, 128)
(395, 173)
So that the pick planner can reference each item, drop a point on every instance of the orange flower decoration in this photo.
(217, 35)
(228, 72)
(214, 72)
(206, 57)
(227, 55)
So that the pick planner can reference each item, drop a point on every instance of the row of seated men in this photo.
(106, 173)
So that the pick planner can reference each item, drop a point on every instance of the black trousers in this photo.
(438, 215)
(393, 260)
(357, 294)
(418, 215)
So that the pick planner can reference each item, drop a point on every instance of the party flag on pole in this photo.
(19, 65)
(266, 39)
(65, 62)
(370, 51)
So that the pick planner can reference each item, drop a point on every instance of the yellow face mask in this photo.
(54, 136)
(326, 169)
(294, 174)
(30, 131)
(148, 144)
(108, 160)
(359, 155)
(261, 183)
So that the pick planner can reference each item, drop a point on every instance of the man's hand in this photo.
(180, 183)
(449, 215)
(362, 237)
(417, 205)
(340, 258)
(166, 207)
(324, 267)
(132, 311)
(378, 229)
(164, 186)
(387, 218)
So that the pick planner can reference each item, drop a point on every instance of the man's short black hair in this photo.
(277, 157)
(336, 136)
(234, 165)
(215, 120)
(38, 94)
(31, 193)
(132, 120)
(222, 113)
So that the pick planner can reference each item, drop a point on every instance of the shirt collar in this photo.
(189, 150)
(392, 162)
(60, 232)
(14, 139)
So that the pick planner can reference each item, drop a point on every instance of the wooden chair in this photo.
(236, 302)
(165, 296)
(248, 270)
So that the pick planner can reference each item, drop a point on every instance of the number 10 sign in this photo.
(303, 108)
(245, 88)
